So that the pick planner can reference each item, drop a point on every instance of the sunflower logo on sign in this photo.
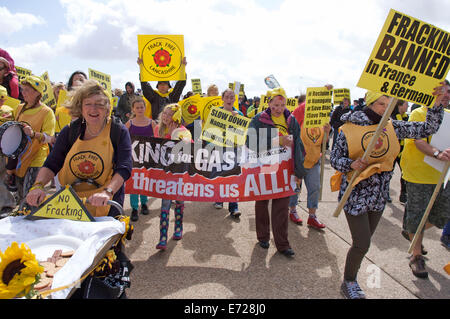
(162, 58)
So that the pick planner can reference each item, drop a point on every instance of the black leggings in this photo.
(362, 228)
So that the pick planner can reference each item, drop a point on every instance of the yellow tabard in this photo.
(35, 118)
(384, 153)
(312, 141)
(90, 159)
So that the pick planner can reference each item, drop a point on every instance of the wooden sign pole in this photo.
(373, 141)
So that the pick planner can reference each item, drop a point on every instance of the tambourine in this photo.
(13, 140)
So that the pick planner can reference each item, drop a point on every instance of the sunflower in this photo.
(19, 271)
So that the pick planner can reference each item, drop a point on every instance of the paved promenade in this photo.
(219, 257)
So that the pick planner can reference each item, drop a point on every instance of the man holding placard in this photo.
(421, 180)
(312, 136)
(161, 58)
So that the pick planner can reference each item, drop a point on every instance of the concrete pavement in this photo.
(218, 256)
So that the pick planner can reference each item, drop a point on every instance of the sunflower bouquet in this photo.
(19, 272)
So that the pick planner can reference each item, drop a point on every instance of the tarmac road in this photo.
(219, 258)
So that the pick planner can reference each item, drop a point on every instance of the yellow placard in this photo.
(317, 107)
(102, 78)
(224, 129)
(291, 104)
(65, 204)
(263, 103)
(148, 108)
(114, 101)
(162, 57)
(409, 60)
(48, 98)
(191, 108)
(62, 98)
(339, 95)
(22, 73)
(207, 103)
(196, 86)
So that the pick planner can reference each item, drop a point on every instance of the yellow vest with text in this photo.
(90, 159)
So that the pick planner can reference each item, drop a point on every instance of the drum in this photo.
(13, 140)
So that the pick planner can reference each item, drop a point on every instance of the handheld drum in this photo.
(13, 140)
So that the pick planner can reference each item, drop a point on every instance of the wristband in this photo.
(38, 186)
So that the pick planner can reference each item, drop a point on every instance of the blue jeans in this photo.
(312, 182)
(134, 200)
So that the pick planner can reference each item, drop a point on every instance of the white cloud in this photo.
(14, 22)
(303, 43)
(33, 55)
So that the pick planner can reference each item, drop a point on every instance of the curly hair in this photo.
(88, 89)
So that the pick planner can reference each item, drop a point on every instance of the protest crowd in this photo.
(125, 127)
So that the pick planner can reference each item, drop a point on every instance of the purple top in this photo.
(141, 130)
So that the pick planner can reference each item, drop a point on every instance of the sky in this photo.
(302, 43)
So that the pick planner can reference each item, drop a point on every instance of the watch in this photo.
(436, 154)
(109, 191)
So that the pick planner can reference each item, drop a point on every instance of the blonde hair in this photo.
(88, 89)
(162, 127)
(210, 88)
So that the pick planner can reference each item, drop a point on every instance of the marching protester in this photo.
(8, 76)
(400, 114)
(228, 98)
(276, 122)
(7, 201)
(57, 87)
(6, 112)
(40, 128)
(101, 177)
(366, 203)
(124, 107)
(140, 125)
(336, 121)
(169, 127)
(421, 180)
(76, 79)
(312, 139)
(164, 94)
(253, 109)
(212, 90)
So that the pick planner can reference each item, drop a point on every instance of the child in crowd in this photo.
(140, 125)
(170, 127)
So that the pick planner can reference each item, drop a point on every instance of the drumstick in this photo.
(430, 205)
(373, 141)
(322, 162)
